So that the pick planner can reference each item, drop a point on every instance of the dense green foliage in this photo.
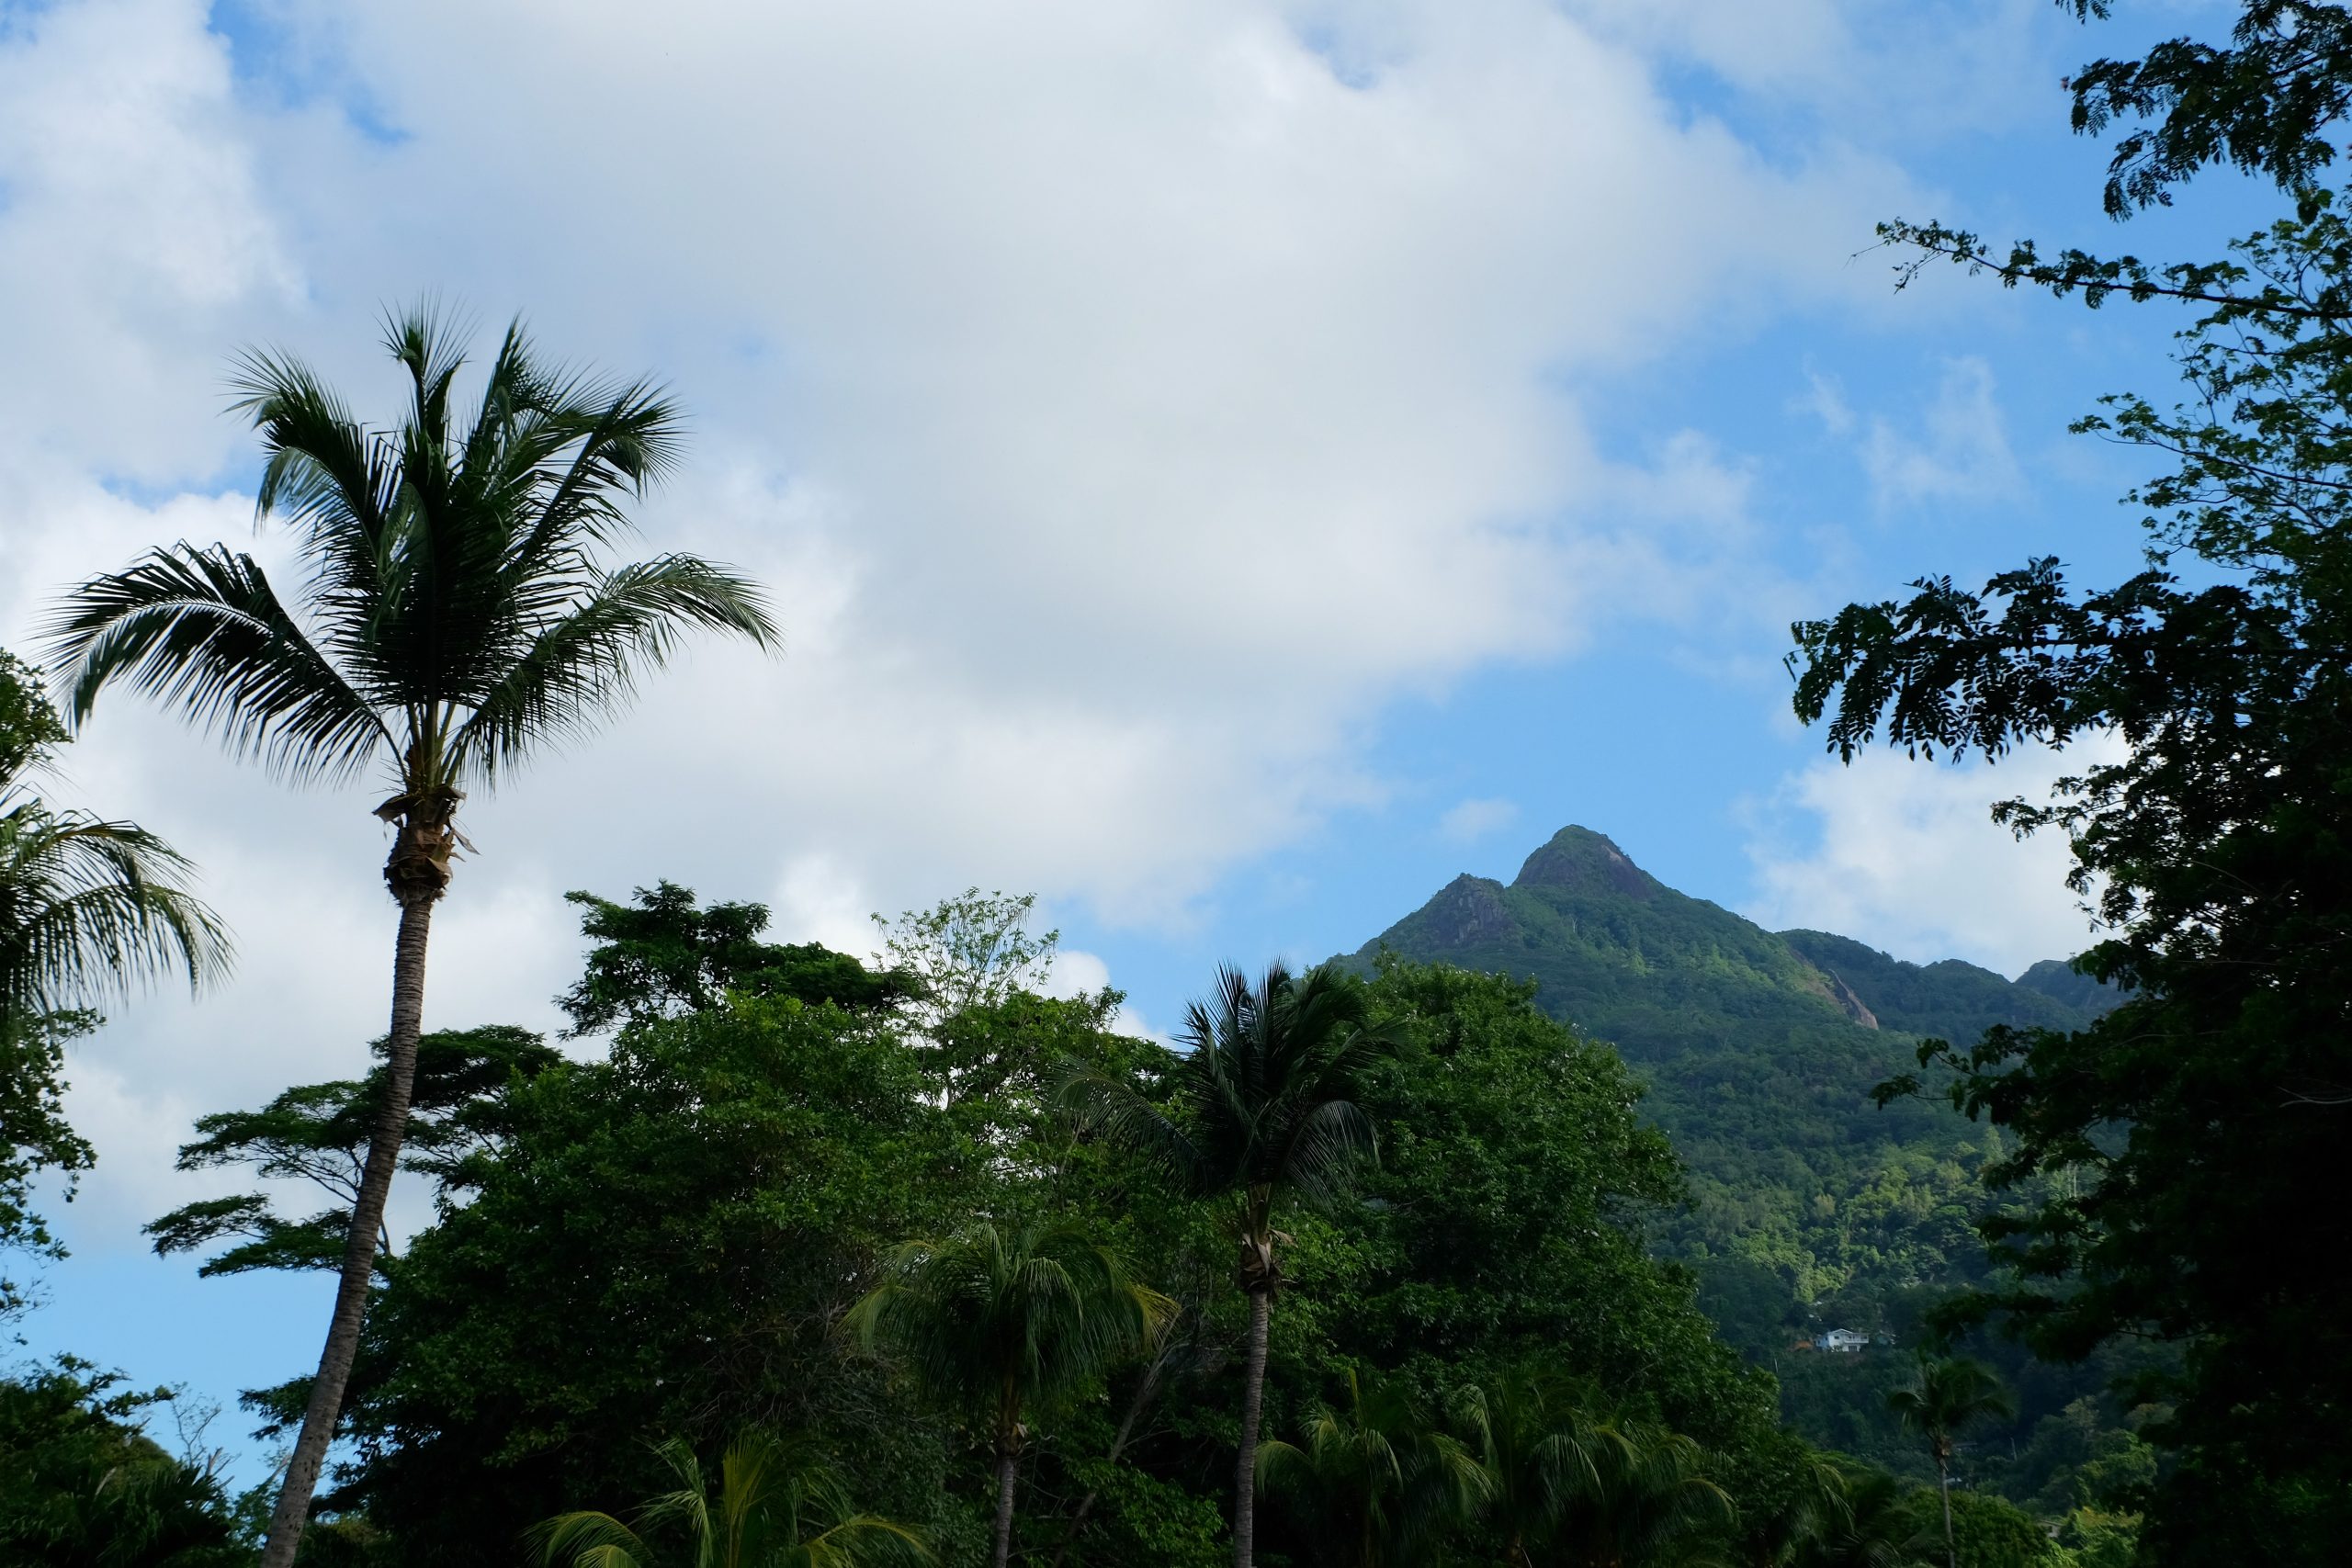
(2165, 1155)
(1758, 1053)
(81, 1485)
(663, 957)
(665, 1246)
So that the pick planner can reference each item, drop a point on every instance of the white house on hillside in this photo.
(1845, 1341)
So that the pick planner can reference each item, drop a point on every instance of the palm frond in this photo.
(1323, 1148)
(579, 668)
(864, 1541)
(91, 910)
(997, 1321)
(323, 472)
(586, 1539)
(202, 631)
(778, 1502)
(1113, 1109)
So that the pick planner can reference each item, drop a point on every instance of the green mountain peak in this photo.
(1760, 1050)
(1579, 861)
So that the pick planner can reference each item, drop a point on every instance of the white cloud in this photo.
(1960, 452)
(1904, 855)
(1125, 403)
(1824, 399)
(1470, 821)
(1914, 71)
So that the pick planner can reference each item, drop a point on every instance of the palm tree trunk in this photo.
(293, 1510)
(1952, 1548)
(1008, 1463)
(1245, 1475)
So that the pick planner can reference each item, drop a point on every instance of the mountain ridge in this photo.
(1759, 1050)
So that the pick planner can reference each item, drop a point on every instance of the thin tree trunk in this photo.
(1952, 1548)
(1245, 1475)
(1008, 1463)
(1144, 1392)
(293, 1510)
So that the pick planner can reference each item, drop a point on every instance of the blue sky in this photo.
(1226, 468)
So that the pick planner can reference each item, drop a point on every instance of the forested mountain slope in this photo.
(1760, 1050)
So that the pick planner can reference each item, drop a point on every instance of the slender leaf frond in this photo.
(203, 632)
(578, 668)
(91, 910)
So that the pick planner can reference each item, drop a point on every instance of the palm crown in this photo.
(1375, 1480)
(456, 612)
(775, 1503)
(996, 1319)
(1259, 1104)
(1951, 1394)
(999, 1322)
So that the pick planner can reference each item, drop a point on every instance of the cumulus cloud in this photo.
(1904, 855)
(1124, 403)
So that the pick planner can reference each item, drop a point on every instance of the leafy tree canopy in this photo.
(81, 1485)
(318, 1134)
(663, 957)
(2164, 1154)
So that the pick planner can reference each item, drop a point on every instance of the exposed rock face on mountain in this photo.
(1467, 911)
(1760, 1048)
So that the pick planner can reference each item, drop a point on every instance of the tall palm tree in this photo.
(999, 1324)
(1376, 1480)
(777, 1505)
(1950, 1396)
(1547, 1452)
(1259, 1114)
(456, 618)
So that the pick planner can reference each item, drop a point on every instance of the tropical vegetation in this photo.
(1569, 1222)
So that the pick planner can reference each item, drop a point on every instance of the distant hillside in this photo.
(1762, 1049)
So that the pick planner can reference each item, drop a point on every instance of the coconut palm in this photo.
(1374, 1481)
(778, 1504)
(1546, 1452)
(1259, 1114)
(1949, 1396)
(88, 909)
(1001, 1325)
(456, 618)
